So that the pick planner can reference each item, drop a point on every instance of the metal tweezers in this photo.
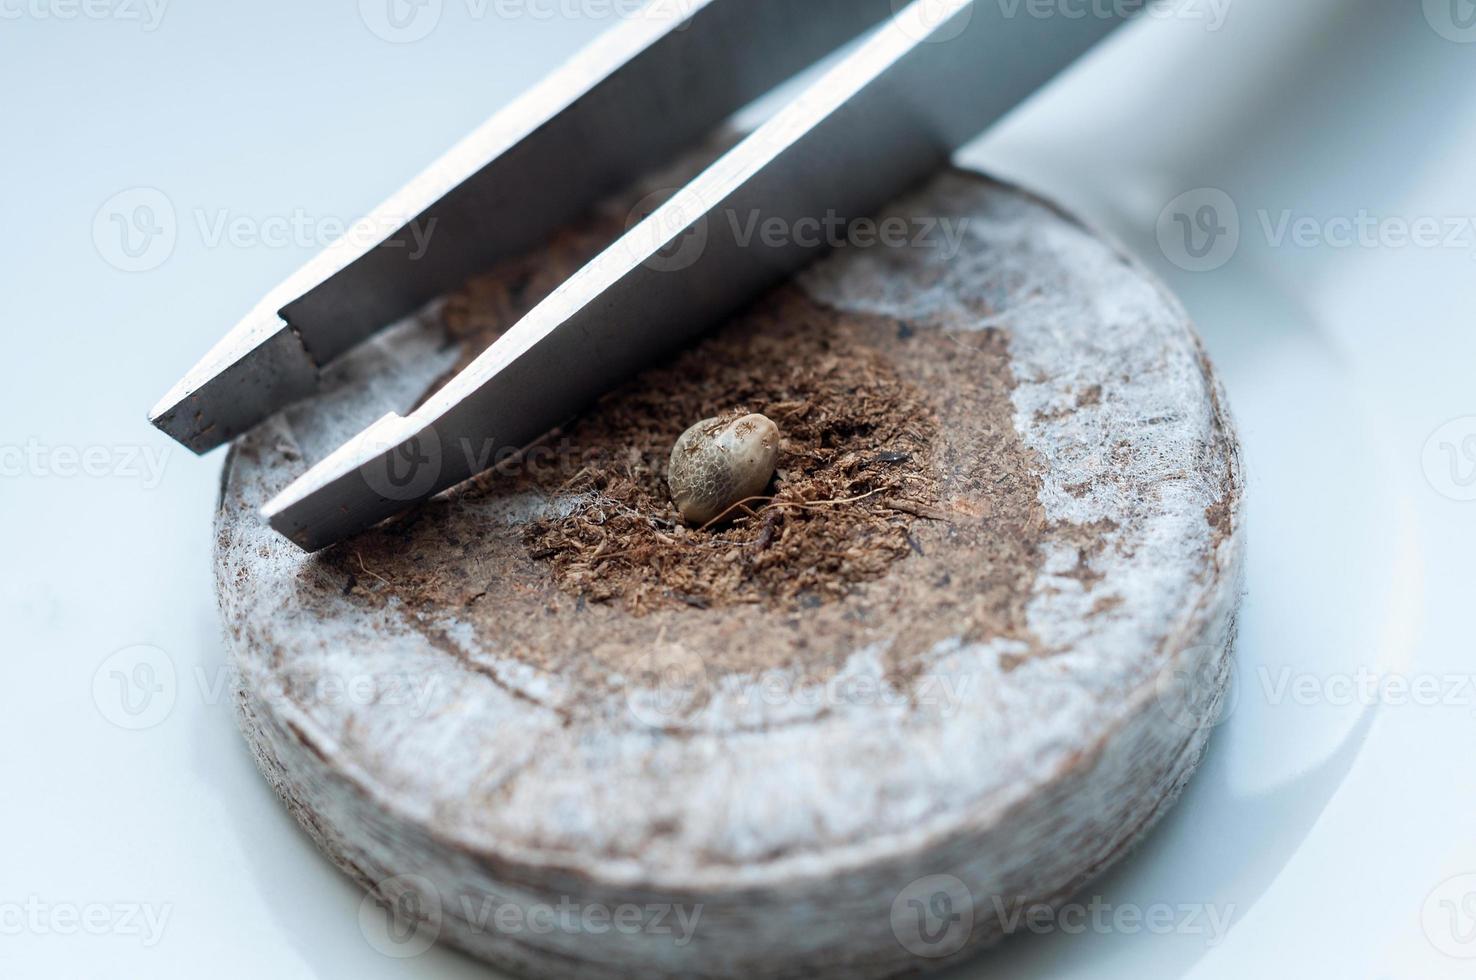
(922, 79)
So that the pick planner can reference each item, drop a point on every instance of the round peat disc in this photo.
(958, 659)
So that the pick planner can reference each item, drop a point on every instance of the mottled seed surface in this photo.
(720, 462)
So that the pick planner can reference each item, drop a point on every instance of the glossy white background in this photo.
(1322, 830)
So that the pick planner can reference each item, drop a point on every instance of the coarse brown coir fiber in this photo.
(903, 500)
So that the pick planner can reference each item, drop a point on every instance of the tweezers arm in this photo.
(659, 82)
(622, 108)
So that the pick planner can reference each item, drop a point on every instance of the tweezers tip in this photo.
(261, 366)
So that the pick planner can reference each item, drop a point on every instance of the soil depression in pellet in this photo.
(905, 511)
